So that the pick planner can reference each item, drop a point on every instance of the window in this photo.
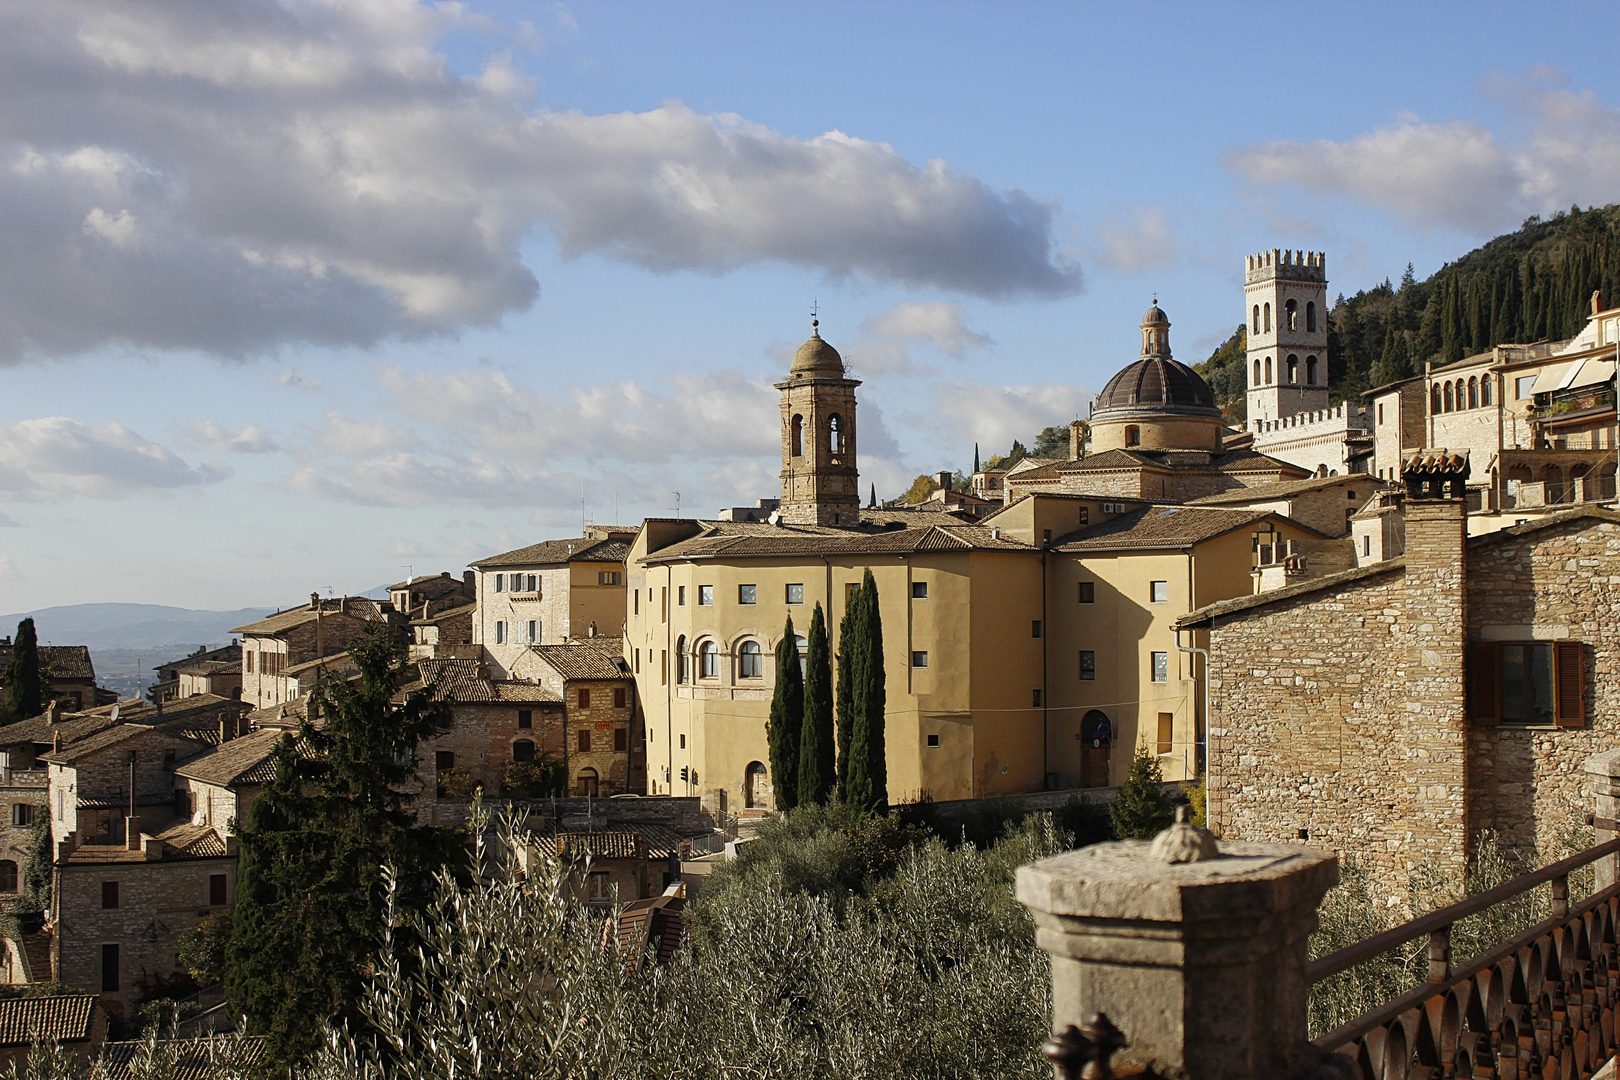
(109, 894)
(618, 697)
(1310, 370)
(919, 590)
(1256, 329)
(1133, 435)
(1088, 592)
(835, 434)
(1035, 628)
(683, 742)
(708, 660)
(1088, 666)
(607, 577)
(444, 760)
(1366, 544)
(919, 659)
(1035, 698)
(1527, 683)
(750, 662)
(601, 885)
(500, 631)
(796, 434)
(1084, 513)
(747, 594)
(585, 783)
(584, 740)
(638, 660)
(525, 718)
(8, 875)
(680, 596)
(22, 814)
(500, 582)
(1292, 311)
(1293, 368)
(621, 740)
(1380, 413)
(850, 589)
(248, 658)
(109, 969)
(1473, 393)
(1167, 729)
(1268, 371)
(1446, 397)
(1310, 319)
(705, 596)
(1256, 380)
(1267, 329)
(1161, 667)
(534, 630)
(795, 594)
(1160, 592)
(680, 659)
(1485, 390)
(933, 740)
(802, 644)
(584, 698)
(523, 750)
(635, 602)
(216, 890)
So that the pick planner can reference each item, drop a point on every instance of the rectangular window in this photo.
(601, 886)
(584, 698)
(635, 602)
(1380, 413)
(1035, 698)
(850, 588)
(607, 577)
(621, 740)
(1528, 683)
(683, 742)
(1161, 667)
(534, 630)
(1088, 592)
(680, 596)
(919, 659)
(618, 697)
(919, 590)
(247, 658)
(705, 596)
(1167, 727)
(1524, 387)
(795, 594)
(638, 661)
(216, 890)
(1088, 666)
(1160, 592)
(500, 582)
(444, 760)
(746, 594)
(584, 740)
(22, 814)
(109, 894)
(1035, 628)
(663, 667)
(525, 718)
(109, 969)
(933, 740)
(1366, 544)
(500, 631)
(1085, 515)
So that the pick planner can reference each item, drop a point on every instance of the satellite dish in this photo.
(775, 518)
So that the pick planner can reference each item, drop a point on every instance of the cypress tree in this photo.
(787, 717)
(25, 682)
(868, 784)
(1140, 811)
(851, 635)
(310, 903)
(817, 764)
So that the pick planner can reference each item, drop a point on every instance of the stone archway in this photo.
(756, 787)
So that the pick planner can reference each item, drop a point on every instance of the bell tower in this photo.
(1285, 308)
(820, 482)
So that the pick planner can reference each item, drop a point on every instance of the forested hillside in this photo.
(1528, 285)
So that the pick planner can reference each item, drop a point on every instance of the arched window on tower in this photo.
(796, 436)
(1256, 369)
(835, 434)
(1256, 319)
(1310, 369)
(1448, 398)
(1293, 368)
(1267, 312)
(1485, 390)
(1268, 371)
(1310, 317)
(1473, 393)
(1434, 399)
(1292, 319)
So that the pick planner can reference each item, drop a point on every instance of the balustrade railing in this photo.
(1541, 1004)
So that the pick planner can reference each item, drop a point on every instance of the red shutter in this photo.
(1484, 670)
(1569, 684)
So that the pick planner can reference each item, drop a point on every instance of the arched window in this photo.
(585, 785)
(1553, 476)
(756, 786)
(1434, 396)
(523, 750)
(1310, 317)
(1256, 318)
(796, 435)
(1473, 393)
(1310, 370)
(1292, 315)
(8, 875)
(680, 659)
(1267, 311)
(709, 660)
(1485, 390)
(1447, 397)
(1293, 366)
(835, 434)
(750, 662)
(801, 643)
(1133, 435)
(1257, 373)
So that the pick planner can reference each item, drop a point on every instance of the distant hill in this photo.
(127, 640)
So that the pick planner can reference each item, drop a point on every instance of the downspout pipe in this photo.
(1205, 654)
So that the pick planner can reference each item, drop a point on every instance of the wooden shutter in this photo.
(1484, 672)
(1569, 684)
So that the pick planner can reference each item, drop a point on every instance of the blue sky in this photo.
(297, 295)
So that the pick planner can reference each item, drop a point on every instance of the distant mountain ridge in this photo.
(132, 626)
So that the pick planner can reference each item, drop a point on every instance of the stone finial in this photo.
(1183, 842)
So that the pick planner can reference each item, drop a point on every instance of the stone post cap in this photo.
(1604, 764)
(1120, 880)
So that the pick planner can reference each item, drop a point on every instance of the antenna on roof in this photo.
(677, 502)
(409, 574)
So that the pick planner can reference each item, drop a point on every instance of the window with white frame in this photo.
(1161, 667)
(747, 594)
(1160, 592)
(709, 660)
(795, 593)
(705, 596)
(500, 631)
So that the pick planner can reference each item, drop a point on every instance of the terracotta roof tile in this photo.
(1160, 527)
(1286, 489)
(577, 661)
(356, 607)
(557, 552)
(467, 682)
(192, 1059)
(235, 760)
(101, 740)
(742, 541)
(188, 841)
(64, 1018)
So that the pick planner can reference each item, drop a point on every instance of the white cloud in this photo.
(941, 325)
(1139, 239)
(251, 439)
(7, 522)
(56, 458)
(347, 437)
(1461, 174)
(994, 416)
(314, 172)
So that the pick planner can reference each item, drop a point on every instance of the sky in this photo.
(308, 295)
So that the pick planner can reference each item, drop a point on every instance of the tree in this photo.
(787, 717)
(1052, 442)
(1141, 810)
(25, 682)
(817, 764)
(867, 783)
(201, 950)
(310, 910)
(920, 489)
(37, 867)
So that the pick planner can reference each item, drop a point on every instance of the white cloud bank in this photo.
(1461, 174)
(56, 458)
(236, 175)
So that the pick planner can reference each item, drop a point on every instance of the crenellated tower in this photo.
(820, 481)
(1285, 301)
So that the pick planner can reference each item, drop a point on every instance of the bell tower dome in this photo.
(820, 482)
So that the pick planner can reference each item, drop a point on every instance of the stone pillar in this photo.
(1201, 965)
(1603, 772)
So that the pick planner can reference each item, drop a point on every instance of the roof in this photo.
(579, 661)
(101, 740)
(817, 358)
(1204, 615)
(1285, 489)
(339, 661)
(1161, 527)
(62, 663)
(186, 1059)
(210, 667)
(1387, 387)
(730, 540)
(656, 925)
(241, 760)
(431, 586)
(467, 682)
(145, 712)
(443, 615)
(1158, 383)
(41, 730)
(61, 1018)
(355, 607)
(188, 841)
(595, 845)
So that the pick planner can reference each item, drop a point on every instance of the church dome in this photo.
(1157, 382)
(816, 357)
(1155, 317)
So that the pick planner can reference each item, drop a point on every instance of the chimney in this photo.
(314, 601)
(943, 479)
(469, 583)
(132, 834)
(56, 741)
(53, 712)
(225, 732)
(1597, 301)
(1077, 439)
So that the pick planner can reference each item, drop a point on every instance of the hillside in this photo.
(1531, 284)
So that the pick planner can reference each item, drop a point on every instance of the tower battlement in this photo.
(1285, 264)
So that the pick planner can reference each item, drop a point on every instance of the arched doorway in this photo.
(756, 787)
(585, 785)
(1096, 740)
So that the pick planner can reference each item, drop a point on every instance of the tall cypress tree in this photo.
(787, 717)
(868, 783)
(817, 765)
(310, 905)
(851, 635)
(25, 682)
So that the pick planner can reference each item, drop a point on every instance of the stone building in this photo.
(68, 673)
(546, 593)
(167, 685)
(1395, 710)
(604, 749)
(820, 479)
(273, 645)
